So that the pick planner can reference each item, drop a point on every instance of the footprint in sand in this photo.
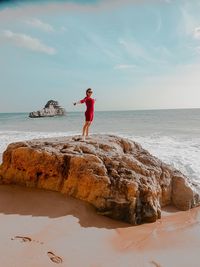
(155, 264)
(54, 258)
(25, 239)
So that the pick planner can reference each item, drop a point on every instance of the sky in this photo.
(133, 54)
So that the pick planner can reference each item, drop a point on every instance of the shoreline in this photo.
(68, 227)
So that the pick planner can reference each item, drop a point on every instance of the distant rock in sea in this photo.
(51, 109)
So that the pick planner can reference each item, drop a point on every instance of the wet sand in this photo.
(42, 228)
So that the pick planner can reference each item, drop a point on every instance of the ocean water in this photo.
(171, 135)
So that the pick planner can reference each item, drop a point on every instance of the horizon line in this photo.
(153, 109)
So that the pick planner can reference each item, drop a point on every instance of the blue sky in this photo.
(134, 54)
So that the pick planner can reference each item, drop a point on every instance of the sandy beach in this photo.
(44, 228)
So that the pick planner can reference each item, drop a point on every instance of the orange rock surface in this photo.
(117, 176)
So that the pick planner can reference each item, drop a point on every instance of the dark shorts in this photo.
(89, 116)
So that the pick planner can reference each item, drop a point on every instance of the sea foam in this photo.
(181, 153)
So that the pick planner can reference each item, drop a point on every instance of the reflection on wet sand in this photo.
(39, 227)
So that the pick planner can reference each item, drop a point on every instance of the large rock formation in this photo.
(117, 176)
(51, 109)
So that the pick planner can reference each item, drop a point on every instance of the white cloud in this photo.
(159, 23)
(190, 25)
(188, 22)
(197, 33)
(136, 51)
(125, 66)
(197, 49)
(36, 23)
(163, 51)
(133, 48)
(27, 42)
(104, 47)
(63, 29)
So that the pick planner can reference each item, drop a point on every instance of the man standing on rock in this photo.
(89, 113)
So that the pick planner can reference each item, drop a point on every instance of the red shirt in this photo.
(89, 103)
